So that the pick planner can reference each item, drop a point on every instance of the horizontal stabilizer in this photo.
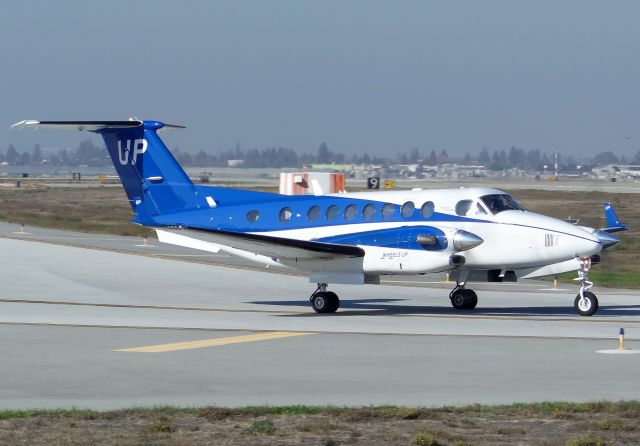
(91, 126)
(76, 125)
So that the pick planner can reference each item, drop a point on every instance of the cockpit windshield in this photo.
(501, 202)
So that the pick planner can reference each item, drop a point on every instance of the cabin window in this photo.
(285, 214)
(388, 210)
(369, 211)
(463, 206)
(427, 209)
(313, 213)
(332, 212)
(253, 216)
(350, 212)
(408, 209)
(480, 210)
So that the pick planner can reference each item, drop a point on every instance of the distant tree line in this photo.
(87, 153)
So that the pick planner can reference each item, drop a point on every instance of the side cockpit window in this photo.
(501, 202)
(480, 210)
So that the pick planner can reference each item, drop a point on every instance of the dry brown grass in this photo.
(533, 424)
(102, 210)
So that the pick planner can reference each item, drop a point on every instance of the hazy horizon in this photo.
(362, 76)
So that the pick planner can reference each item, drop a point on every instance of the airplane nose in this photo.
(587, 243)
(606, 239)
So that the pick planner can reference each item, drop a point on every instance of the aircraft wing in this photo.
(273, 247)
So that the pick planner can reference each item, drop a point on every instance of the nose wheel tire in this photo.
(588, 306)
(325, 302)
(464, 299)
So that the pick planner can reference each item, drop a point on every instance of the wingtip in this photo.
(24, 123)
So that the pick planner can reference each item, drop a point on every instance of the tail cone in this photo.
(607, 239)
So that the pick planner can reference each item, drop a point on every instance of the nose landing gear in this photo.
(586, 303)
(463, 298)
(323, 301)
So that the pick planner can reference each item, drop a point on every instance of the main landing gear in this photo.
(324, 301)
(586, 303)
(463, 298)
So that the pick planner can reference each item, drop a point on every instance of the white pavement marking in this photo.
(617, 351)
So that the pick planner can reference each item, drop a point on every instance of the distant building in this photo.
(317, 183)
(621, 171)
(235, 163)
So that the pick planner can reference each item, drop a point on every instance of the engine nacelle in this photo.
(404, 261)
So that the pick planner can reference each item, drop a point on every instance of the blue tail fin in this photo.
(613, 222)
(152, 178)
(154, 182)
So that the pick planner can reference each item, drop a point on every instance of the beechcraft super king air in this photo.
(476, 234)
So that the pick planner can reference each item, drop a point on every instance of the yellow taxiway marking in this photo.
(213, 342)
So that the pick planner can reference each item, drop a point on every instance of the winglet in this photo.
(613, 222)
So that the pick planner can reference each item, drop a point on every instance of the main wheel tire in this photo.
(334, 301)
(457, 299)
(471, 299)
(325, 302)
(319, 302)
(464, 299)
(590, 305)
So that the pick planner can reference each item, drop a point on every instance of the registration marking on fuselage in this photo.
(204, 343)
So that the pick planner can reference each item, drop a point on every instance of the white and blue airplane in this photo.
(475, 234)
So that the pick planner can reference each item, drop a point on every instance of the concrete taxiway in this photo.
(96, 321)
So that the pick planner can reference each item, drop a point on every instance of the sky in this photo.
(363, 75)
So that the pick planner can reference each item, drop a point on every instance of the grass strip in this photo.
(629, 408)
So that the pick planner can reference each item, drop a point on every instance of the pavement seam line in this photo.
(347, 312)
(357, 333)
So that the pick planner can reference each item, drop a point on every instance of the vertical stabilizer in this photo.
(152, 178)
(613, 221)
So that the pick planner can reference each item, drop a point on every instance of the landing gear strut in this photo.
(463, 298)
(323, 301)
(586, 303)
